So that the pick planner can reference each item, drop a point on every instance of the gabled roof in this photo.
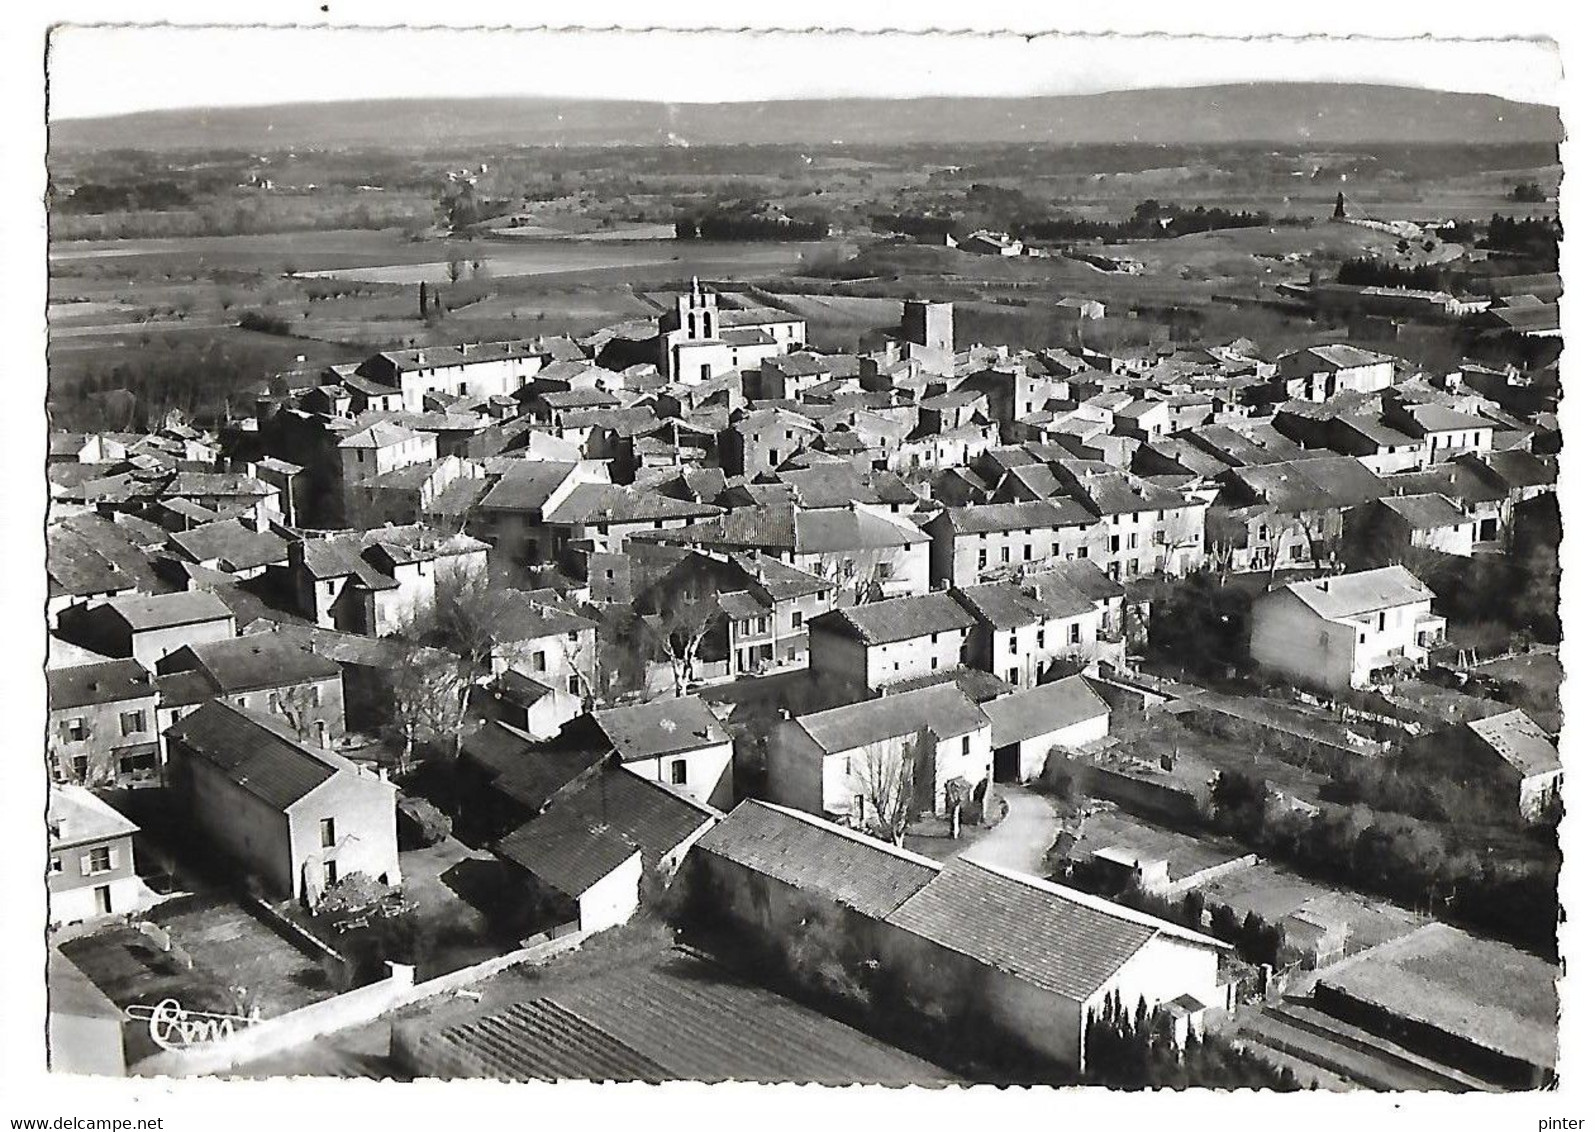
(1042, 710)
(817, 856)
(1443, 418)
(75, 816)
(254, 751)
(661, 727)
(896, 619)
(638, 813)
(837, 485)
(261, 660)
(567, 850)
(383, 434)
(1313, 484)
(232, 544)
(1052, 937)
(1119, 493)
(1366, 591)
(1519, 469)
(143, 613)
(1520, 742)
(1339, 356)
(943, 709)
(596, 503)
(993, 517)
(1424, 512)
(527, 485)
(77, 568)
(106, 683)
(529, 772)
(1461, 481)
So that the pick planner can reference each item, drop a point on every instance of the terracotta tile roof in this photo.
(816, 856)
(142, 613)
(897, 619)
(943, 709)
(1366, 591)
(1062, 941)
(255, 752)
(662, 727)
(110, 682)
(1042, 709)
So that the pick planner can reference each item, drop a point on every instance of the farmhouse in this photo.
(832, 762)
(1036, 961)
(1338, 632)
(147, 628)
(1027, 725)
(297, 817)
(585, 856)
(263, 672)
(676, 741)
(1319, 372)
(968, 542)
(91, 870)
(866, 647)
(474, 369)
(102, 726)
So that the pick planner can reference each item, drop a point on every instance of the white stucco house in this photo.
(1338, 632)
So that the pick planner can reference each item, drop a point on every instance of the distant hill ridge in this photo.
(1293, 113)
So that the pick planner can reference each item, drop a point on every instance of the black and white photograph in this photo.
(894, 557)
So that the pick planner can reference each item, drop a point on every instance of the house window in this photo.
(1074, 633)
(1381, 621)
(573, 685)
(80, 767)
(98, 860)
(315, 695)
(75, 730)
(55, 865)
(966, 744)
(935, 663)
(329, 874)
(678, 772)
(132, 722)
(329, 833)
(797, 620)
(539, 662)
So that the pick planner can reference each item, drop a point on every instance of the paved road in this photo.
(1021, 840)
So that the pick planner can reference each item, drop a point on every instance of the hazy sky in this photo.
(111, 70)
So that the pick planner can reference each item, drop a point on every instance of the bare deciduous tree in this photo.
(677, 624)
(886, 782)
(425, 698)
(298, 706)
(462, 622)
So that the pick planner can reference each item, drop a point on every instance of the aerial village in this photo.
(685, 701)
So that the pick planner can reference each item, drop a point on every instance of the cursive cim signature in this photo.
(172, 1027)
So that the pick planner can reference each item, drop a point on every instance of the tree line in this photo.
(738, 225)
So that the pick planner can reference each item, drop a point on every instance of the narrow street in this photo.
(1021, 840)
